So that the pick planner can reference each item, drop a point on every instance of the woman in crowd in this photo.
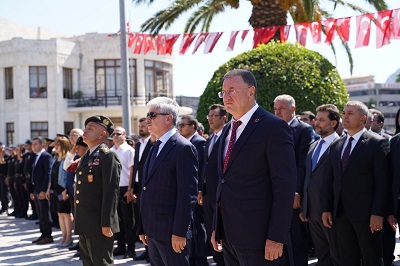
(58, 184)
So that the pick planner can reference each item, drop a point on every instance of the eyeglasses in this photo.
(232, 92)
(116, 134)
(182, 125)
(153, 115)
(211, 116)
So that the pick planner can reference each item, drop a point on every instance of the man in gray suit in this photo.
(317, 163)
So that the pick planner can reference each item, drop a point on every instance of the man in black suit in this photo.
(208, 181)
(355, 200)
(257, 179)
(377, 122)
(394, 217)
(317, 164)
(96, 196)
(169, 188)
(188, 127)
(285, 108)
(40, 179)
(142, 148)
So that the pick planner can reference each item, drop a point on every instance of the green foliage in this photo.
(398, 78)
(282, 69)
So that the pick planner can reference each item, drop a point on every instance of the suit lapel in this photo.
(310, 154)
(338, 150)
(249, 128)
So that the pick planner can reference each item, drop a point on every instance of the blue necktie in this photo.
(154, 155)
(316, 154)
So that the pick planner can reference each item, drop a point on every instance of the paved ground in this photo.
(16, 248)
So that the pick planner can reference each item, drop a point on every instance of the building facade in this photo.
(382, 96)
(50, 85)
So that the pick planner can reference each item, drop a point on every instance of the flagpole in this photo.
(126, 105)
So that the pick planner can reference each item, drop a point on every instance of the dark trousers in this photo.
(356, 242)
(198, 243)
(235, 256)
(162, 254)
(22, 196)
(325, 243)
(42, 207)
(3, 193)
(208, 209)
(31, 202)
(14, 195)
(299, 240)
(96, 250)
(127, 235)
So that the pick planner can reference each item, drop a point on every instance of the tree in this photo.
(398, 78)
(282, 69)
(265, 13)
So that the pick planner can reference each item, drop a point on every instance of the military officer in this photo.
(97, 189)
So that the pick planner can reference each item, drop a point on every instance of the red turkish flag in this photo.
(263, 35)
(330, 27)
(396, 24)
(301, 32)
(343, 28)
(232, 40)
(161, 45)
(170, 41)
(211, 41)
(383, 28)
(200, 39)
(244, 34)
(187, 40)
(315, 30)
(138, 44)
(363, 26)
(148, 43)
(284, 32)
(131, 39)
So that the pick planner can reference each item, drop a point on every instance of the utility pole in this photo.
(126, 99)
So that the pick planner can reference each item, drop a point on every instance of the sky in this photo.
(192, 72)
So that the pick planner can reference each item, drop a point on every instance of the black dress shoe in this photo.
(36, 240)
(77, 254)
(11, 214)
(76, 247)
(129, 254)
(143, 256)
(3, 211)
(119, 252)
(45, 240)
(33, 217)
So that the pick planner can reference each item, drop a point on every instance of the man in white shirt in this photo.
(126, 156)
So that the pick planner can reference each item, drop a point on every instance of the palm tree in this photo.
(265, 13)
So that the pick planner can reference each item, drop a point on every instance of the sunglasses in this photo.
(153, 115)
(116, 134)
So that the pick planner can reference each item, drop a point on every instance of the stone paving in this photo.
(16, 248)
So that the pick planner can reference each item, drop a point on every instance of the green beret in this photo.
(102, 121)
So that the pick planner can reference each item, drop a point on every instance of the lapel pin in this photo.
(256, 120)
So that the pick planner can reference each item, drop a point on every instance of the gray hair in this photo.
(287, 98)
(360, 106)
(165, 105)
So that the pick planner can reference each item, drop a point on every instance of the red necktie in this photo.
(236, 124)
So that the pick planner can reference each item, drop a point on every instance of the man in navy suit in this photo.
(208, 181)
(188, 127)
(169, 188)
(285, 107)
(356, 196)
(317, 165)
(257, 178)
(40, 179)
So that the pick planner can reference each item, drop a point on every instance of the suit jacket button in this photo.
(80, 172)
(77, 192)
(223, 181)
(77, 201)
(144, 188)
(79, 182)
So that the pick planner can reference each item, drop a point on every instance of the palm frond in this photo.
(204, 14)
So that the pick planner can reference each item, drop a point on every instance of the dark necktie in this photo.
(154, 155)
(212, 142)
(316, 154)
(231, 143)
(346, 154)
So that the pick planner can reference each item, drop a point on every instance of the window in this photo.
(67, 83)
(158, 79)
(38, 81)
(39, 129)
(10, 133)
(9, 83)
(108, 78)
(67, 127)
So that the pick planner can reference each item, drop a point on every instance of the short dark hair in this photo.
(222, 110)
(142, 119)
(333, 111)
(247, 77)
(379, 115)
(310, 114)
(191, 120)
(40, 139)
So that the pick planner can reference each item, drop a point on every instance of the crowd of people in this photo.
(261, 189)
